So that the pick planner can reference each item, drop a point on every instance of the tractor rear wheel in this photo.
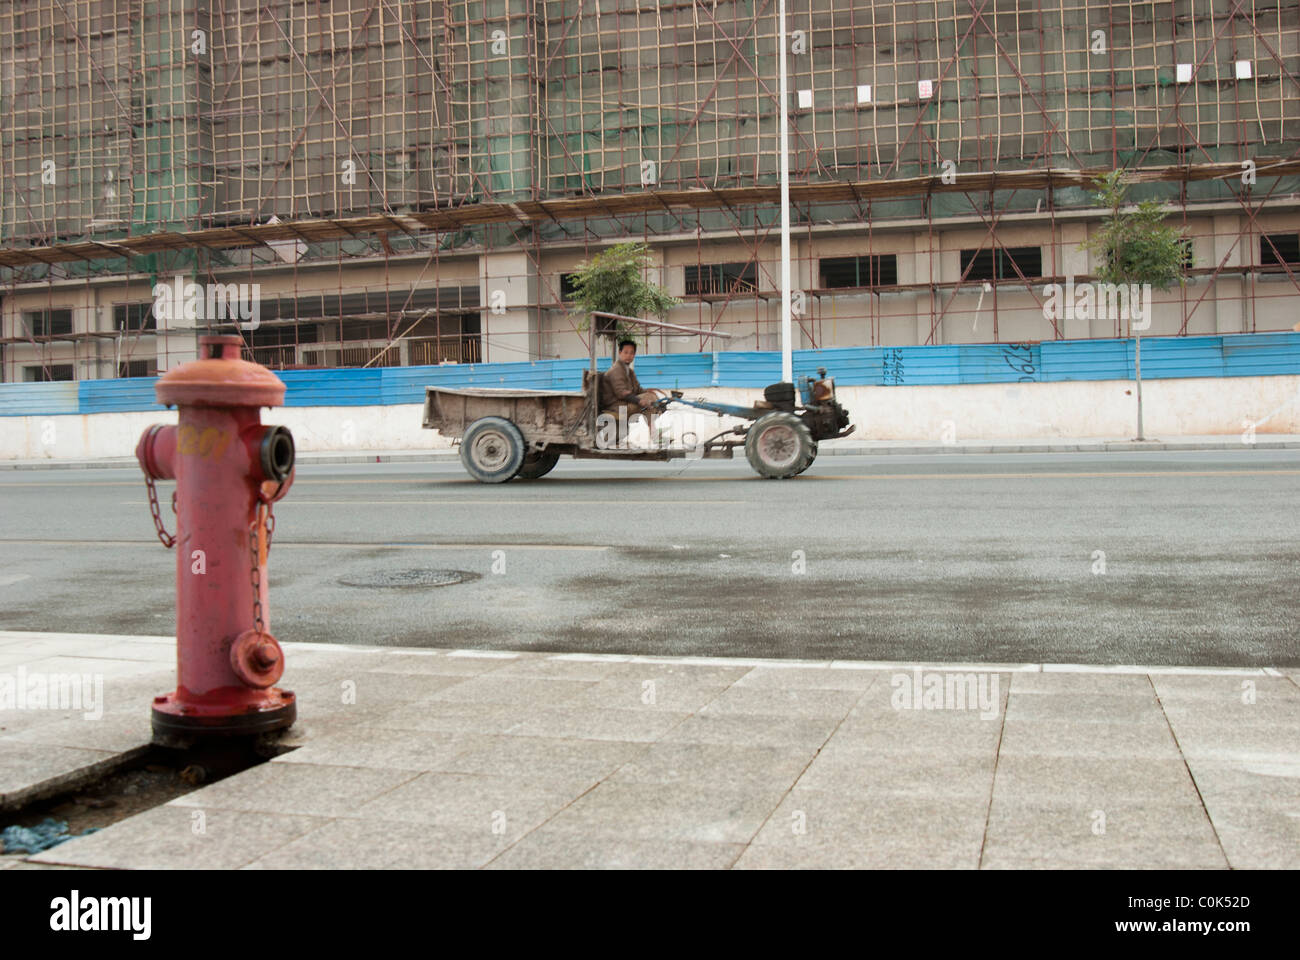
(492, 450)
(811, 458)
(538, 465)
(779, 445)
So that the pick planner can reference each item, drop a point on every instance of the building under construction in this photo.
(412, 181)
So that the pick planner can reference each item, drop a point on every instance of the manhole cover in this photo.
(409, 578)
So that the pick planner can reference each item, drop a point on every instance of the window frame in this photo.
(47, 322)
(874, 269)
(724, 279)
(1002, 258)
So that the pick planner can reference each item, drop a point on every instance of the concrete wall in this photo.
(960, 413)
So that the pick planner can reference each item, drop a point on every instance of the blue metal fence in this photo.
(1245, 355)
(36, 399)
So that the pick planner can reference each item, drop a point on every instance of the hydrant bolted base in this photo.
(173, 718)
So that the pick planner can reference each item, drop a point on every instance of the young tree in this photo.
(614, 282)
(1135, 247)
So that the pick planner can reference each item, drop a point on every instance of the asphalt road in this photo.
(945, 558)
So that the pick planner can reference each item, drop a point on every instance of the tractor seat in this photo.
(591, 383)
(763, 405)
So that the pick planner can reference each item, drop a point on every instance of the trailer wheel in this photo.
(538, 465)
(779, 445)
(492, 450)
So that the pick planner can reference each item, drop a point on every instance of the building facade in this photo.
(941, 154)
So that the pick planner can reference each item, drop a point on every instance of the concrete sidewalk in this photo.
(849, 446)
(430, 758)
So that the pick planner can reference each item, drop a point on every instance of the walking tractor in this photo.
(506, 433)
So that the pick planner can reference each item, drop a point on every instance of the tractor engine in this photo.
(821, 412)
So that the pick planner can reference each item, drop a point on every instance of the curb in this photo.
(416, 456)
(70, 780)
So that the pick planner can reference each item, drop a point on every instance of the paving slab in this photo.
(851, 771)
(404, 662)
(313, 790)
(1099, 780)
(693, 812)
(451, 716)
(1075, 707)
(153, 653)
(732, 766)
(543, 759)
(507, 807)
(592, 668)
(1276, 713)
(821, 677)
(645, 723)
(113, 732)
(806, 702)
(32, 770)
(1223, 739)
(519, 690)
(827, 829)
(1249, 778)
(362, 686)
(880, 728)
(546, 849)
(1109, 684)
(380, 748)
(174, 837)
(1226, 690)
(1075, 737)
(642, 689)
(1258, 836)
(106, 667)
(384, 845)
(1094, 831)
(333, 707)
(14, 722)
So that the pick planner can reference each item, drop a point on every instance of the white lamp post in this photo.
(787, 361)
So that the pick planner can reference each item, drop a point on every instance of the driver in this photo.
(620, 389)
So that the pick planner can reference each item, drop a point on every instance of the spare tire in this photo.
(492, 450)
(780, 395)
(779, 445)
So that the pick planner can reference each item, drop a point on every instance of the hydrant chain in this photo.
(167, 539)
(255, 549)
(256, 574)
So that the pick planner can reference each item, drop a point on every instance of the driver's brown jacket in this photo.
(618, 384)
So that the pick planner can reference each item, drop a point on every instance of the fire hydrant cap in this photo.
(220, 378)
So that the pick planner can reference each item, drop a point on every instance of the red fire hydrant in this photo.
(229, 469)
